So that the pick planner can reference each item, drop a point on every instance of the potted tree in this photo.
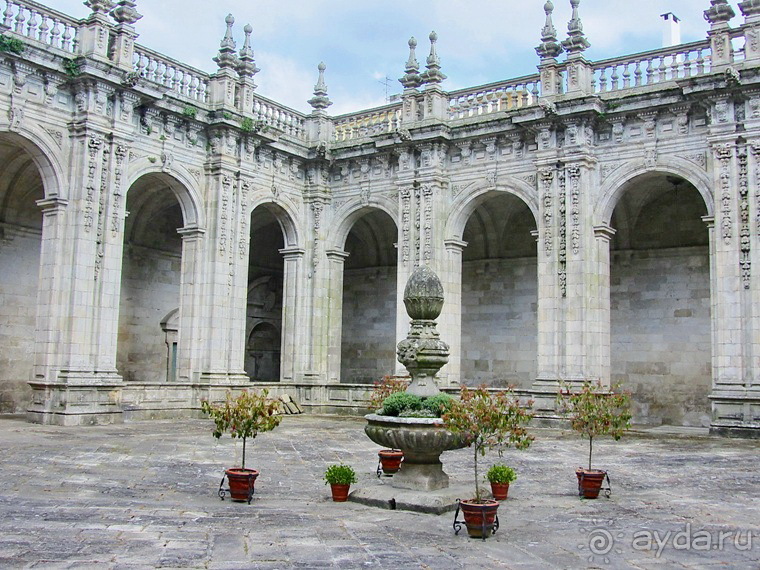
(486, 420)
(390, 459)
(500, 476)
(243, 416)
(340, 477)
(595, 411)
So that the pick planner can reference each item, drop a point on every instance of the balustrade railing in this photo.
(376, 121)
(267, 112)
(40, 23)
(494, 97)
(180, 79)
(652, 67)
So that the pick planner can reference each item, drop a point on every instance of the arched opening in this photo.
(368, 340)
(660, 300)
(262, 358)
(150, 281)
(20, 243)
(499, 294)
(265, 287)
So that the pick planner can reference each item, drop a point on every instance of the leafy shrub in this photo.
(396, 403)
(190, 112)
(438, 404)
(243, 416)
(11, 45)
(501, 474)
(340, 475)
(387, 386)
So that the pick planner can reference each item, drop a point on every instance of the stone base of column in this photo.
(736, 412)
(77, 398)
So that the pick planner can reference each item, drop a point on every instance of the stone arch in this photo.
(159, 205)
(474, 195)
(348, 214)
(39, 146)
(179, 181)
(659, 291)
(29, 174)
(626, 176)
(285, 214)
(368, 233)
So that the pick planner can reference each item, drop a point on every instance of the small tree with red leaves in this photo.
(487, 420)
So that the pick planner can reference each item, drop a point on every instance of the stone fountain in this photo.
(423, 353)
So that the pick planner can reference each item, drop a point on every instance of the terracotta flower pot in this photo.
(479, 517)
(499, 491)
(590, 482)
(339, 492)
(241, 483)
(390, 460)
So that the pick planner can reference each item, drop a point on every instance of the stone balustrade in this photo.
(267, 112)
(42, 24)
(652, 67)
(375, 121)
(494, 97)
(182, 80)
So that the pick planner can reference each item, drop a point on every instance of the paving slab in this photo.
(143, 495)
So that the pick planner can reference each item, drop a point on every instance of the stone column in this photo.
(451, 319)
(334, 320)
(192, 335)
(551, 277)
(751, 11)
(294, 351)
(603, 235)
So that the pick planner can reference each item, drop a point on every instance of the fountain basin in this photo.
(422, 440)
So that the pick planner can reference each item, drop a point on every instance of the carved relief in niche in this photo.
(562, 253)
(547, 180)
(724, 153)
(406, 221)
(120, 153)
(574, 172)
(744, 239)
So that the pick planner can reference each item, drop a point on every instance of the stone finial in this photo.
(247, 67)
(719, 12)
(750, 7)
(99, 6)
(422, 352)
(226, 57)
(576, 41)
(433, 73)
(550, 46)
(320, 101)
(126, 12)
(412, 78)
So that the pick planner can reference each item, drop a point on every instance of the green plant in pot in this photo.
(595, 411)
(243, 416)
(500, 476)
(340, 477)
(487, 420)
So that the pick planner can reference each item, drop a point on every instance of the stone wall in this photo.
(368, 349)
(19, 267)
(149, 291)
(660, 320)
(499, 327)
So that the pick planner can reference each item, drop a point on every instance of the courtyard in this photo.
(143, 495)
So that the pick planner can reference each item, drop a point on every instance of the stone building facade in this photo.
(167, 234)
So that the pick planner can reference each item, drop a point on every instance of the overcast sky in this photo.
(364, 41)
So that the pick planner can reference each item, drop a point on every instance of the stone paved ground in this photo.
(144, 495)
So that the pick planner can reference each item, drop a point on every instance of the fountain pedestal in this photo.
(422, 440)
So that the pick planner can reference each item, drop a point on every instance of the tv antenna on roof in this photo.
(387, 82)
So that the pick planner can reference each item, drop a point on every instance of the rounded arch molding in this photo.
(348, 214)
(620, 181)
(45, 154)
(181, 183)
(285, 214)
(465, 203)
